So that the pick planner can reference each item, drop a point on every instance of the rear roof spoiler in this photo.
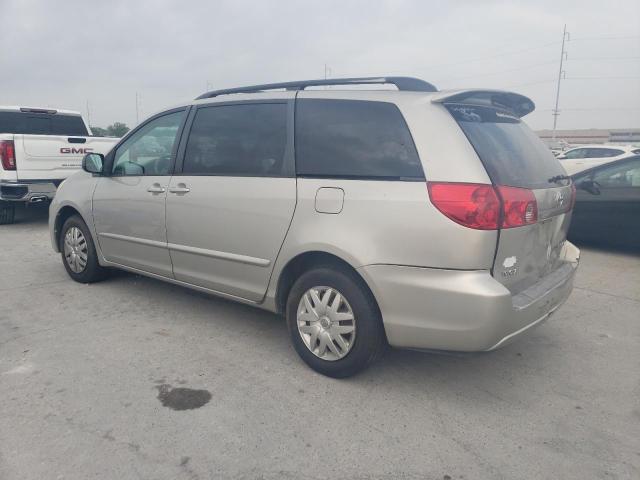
(513, 102)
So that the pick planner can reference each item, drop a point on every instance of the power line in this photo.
(531, 83)
(505, 71)
(603, 78)
(606, 37)
(477, 59)
(590, 109)
(579, 59)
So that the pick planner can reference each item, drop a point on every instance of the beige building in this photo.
(590, 135)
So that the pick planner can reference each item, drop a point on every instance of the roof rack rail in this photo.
(403, 83)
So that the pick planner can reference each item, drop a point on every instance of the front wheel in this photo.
(79, 253)
(334, 322)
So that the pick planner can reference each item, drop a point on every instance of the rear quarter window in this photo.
(511, 153)
(354, 139)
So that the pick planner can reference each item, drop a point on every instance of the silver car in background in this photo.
(411, 217)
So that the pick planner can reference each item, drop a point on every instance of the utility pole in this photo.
(563, 56)
(137, 111)
(88, 114)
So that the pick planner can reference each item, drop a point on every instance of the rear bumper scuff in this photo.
(425, 308)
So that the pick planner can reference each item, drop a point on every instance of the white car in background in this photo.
(583, 157)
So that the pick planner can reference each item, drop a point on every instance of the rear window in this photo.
(42, 124)
(511, 153)
(354, 139)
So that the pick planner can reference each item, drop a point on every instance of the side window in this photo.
(622, 175)
(577, 153)
(352, 138)
(149, 150)
(238, 140)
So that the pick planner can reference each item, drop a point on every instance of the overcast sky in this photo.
(64, 53)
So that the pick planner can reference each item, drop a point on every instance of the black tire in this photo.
(370, 339)
(7, 213)
(92, 271)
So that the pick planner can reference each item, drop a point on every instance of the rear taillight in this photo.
(470, 204)
(7, 154)
(519, 206)
(484, 207)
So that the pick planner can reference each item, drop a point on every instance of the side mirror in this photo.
(93, 163)
(562, 156)
(590, 186)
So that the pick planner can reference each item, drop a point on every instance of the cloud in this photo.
(64, 54)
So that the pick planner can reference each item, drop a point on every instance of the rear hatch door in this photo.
(514, 156)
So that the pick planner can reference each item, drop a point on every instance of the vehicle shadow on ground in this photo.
(397, 369)
(37, 214)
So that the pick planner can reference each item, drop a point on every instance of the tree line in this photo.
(116, 129)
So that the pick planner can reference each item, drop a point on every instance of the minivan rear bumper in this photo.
(437, 309)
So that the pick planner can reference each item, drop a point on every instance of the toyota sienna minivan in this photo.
(411, 217)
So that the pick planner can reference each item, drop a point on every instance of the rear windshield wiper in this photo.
(559, 178)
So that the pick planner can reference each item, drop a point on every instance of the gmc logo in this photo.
(80, 150)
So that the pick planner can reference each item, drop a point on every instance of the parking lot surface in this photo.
(136, 378)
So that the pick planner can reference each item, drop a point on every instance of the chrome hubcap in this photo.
(326, 323)
(75, 250)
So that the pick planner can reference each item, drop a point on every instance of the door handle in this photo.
(156, 188)
(181, 188)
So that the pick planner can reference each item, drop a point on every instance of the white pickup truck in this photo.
(39, 148)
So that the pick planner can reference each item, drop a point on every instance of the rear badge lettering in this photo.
(512, 272)
(509, 264)
(76, 150)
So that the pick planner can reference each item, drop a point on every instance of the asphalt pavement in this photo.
(136, 378)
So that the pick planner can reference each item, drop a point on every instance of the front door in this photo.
(129, 204)
(229, 209)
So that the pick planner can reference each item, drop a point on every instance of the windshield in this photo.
(511, 153)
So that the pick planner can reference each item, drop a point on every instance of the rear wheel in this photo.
(334, 322)
(7, 212)
(79, 253)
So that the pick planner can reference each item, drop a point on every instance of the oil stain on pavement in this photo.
(182, 398)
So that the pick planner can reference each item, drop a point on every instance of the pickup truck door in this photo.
(231, 201)
(55, 157)
(129, 203)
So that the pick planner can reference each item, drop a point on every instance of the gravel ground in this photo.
(135, 378)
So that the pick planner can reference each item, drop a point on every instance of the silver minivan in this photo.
(411, 217)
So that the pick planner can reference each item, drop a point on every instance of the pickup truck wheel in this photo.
(7, 213)
(334, 322)
(79, 253)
